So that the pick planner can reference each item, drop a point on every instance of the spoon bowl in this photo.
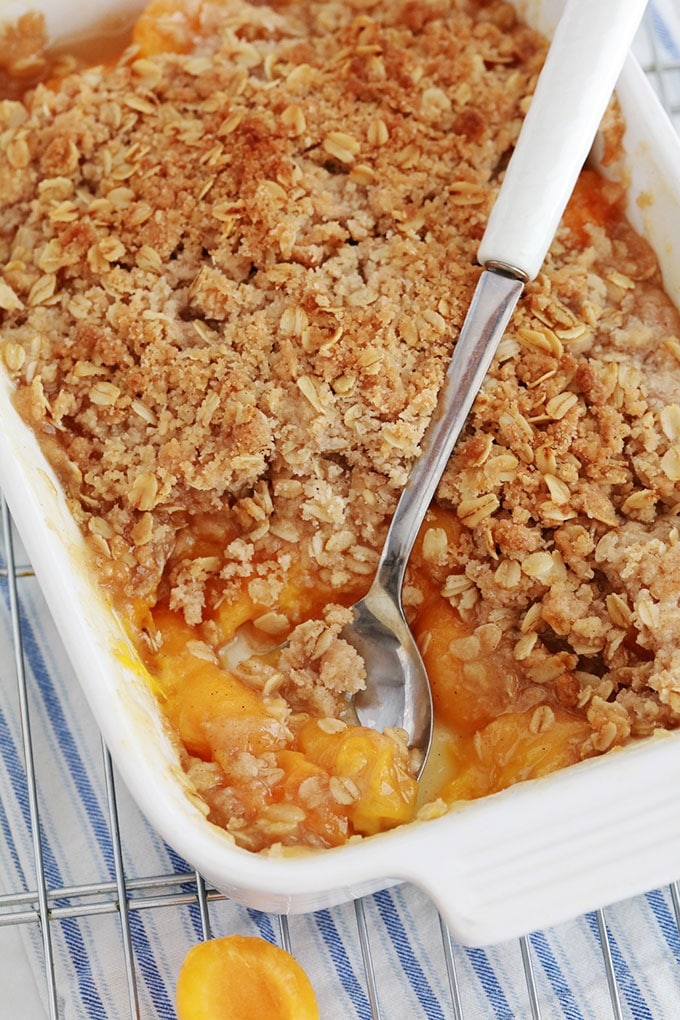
(397, 693)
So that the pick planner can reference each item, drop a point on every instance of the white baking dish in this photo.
(530, 857)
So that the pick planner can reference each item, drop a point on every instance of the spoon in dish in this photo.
(584, 60)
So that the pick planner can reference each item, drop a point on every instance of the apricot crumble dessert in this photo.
(234, 263)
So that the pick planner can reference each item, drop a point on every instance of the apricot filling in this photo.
(276, 776)
(277, 773)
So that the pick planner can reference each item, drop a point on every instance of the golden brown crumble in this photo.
(231, 278)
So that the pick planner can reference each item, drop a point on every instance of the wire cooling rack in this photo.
(45, 906)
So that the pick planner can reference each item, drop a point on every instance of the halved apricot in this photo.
(241, 977)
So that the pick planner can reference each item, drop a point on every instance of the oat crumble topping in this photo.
(231, 277)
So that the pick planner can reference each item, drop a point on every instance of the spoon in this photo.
(586, 55)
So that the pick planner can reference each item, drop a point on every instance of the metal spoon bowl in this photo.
(398, 690)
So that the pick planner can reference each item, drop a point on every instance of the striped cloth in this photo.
(664, 16)
(568, 974)
(660, 45)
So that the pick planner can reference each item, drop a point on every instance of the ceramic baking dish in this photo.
(526, 858)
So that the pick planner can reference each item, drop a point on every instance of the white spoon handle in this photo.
(580, 72)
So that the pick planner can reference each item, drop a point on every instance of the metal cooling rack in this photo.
(45, 907)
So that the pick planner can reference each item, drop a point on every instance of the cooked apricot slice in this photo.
(370, 770)
(167, 26)
(301, 597)
(469, 689)
(307, 785)
(209, 707)
(232, 615)
(514, 747)
(242, 977)
(595, 202)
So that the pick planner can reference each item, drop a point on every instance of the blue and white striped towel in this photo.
(569, 973)
(664, 16)
(660, 45)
